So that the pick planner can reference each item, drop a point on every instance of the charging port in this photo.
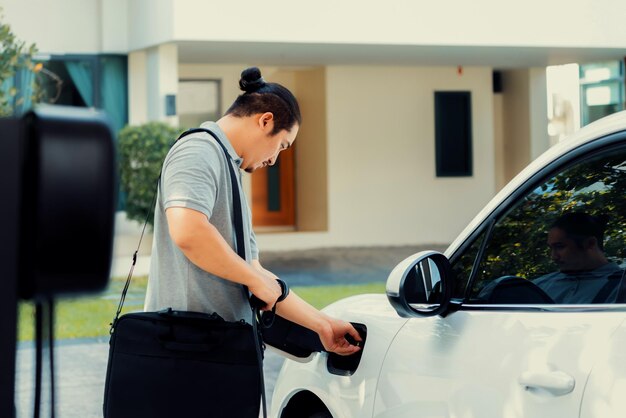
(347, 365)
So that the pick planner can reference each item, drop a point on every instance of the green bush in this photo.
(15, 56)
(142, 150)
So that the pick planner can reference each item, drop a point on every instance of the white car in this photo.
(475, 332)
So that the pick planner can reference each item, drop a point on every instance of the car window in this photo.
(463, 265)
(564, 242)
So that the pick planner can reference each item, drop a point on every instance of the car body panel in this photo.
(605, 392)
(474, 361)
(345, 396)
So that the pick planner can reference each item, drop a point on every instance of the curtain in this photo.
(114, 90)
(6, 87)
(114, 99)
(82, 77)
(22, 81)
(25, 90)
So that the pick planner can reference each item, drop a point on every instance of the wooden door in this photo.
(273, 193)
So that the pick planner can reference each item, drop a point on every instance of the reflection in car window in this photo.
(463, 265)
(521, 262)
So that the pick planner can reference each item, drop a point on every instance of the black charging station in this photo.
(59, 189)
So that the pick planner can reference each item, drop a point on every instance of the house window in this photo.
(99, 81)
(601, 90)
(453, 133)
(198, 102)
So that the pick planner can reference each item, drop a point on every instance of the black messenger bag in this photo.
(182, 364)
(185, 364)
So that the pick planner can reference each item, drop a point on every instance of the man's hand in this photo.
(333, 337)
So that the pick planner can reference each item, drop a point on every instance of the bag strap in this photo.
(132, 266)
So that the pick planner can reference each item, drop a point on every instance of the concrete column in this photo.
(525, 118)
(162, 80)
(538, 105)
(137, 88)
(498, 139)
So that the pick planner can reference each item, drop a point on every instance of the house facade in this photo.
(415, 114)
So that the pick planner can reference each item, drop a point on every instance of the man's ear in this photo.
(266, 119)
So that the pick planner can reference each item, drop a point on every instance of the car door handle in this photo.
(556, 383)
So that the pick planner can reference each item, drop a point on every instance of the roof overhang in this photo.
(310, 54)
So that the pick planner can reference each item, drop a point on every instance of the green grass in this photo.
(91, 316)
(321, 296)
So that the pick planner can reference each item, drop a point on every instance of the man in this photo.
(585, 274)
(194, 266)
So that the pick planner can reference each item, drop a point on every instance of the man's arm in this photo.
(204, 246)
(331, 331)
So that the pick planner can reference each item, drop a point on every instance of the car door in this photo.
(515, 354)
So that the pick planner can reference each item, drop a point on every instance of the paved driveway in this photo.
(81, 370)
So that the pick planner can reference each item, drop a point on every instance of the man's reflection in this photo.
(576, 242)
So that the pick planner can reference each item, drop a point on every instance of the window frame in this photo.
(93, 60)
(585, 151)
(585, 84)
(218, 81)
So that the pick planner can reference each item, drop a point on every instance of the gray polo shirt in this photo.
(580, 287)
(195, 176)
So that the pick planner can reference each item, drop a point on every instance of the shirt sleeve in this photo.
(191, 175)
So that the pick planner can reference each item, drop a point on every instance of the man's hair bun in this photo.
(251, 80)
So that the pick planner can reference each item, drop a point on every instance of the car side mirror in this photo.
(421, 285)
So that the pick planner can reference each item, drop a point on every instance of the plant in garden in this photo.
(15, 55)
(142, 150)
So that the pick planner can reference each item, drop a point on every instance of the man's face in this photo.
(265, 149)
(564, 251)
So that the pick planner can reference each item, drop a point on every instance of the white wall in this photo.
(383, 187)
(381, 158)
(150, 22)
(72, 26)
(566, 23)
(114, 25)
(54, 24)
(91, 26)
